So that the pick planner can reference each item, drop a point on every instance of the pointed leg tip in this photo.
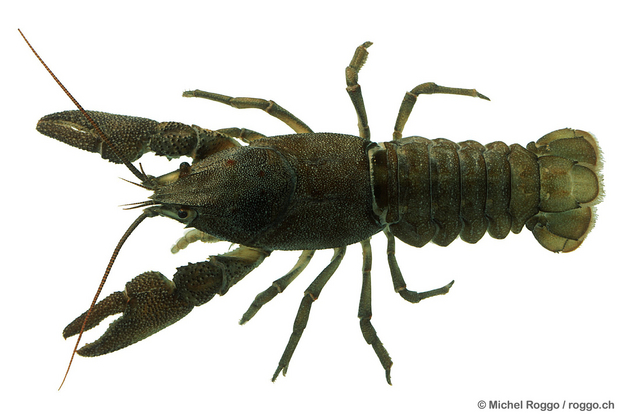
(447, 288)
(278, 370)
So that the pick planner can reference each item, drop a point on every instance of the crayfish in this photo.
(309, 191)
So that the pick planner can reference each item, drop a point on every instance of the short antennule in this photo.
(142, 177)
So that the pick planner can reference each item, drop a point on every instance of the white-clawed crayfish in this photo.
(308, 191)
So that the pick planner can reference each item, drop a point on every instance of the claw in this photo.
(131, 135)
(149, 304)
(152, 302)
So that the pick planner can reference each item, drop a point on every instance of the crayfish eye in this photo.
(182, 214)
(184, 169)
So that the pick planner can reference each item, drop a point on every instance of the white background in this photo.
(519, 324)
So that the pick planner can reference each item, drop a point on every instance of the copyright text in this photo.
(544, 405)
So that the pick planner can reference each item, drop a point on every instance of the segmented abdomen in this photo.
(437, 189)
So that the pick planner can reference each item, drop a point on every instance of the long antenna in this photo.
(142, 177)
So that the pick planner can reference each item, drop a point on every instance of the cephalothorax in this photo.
(310, 191)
